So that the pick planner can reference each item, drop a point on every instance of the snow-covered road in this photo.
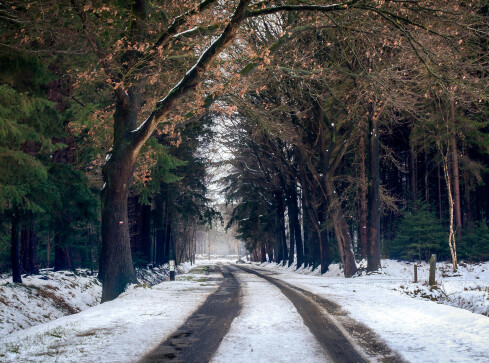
(268, 328)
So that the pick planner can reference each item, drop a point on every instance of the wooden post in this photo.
(432, 270)
(172, 270)
(415, 272)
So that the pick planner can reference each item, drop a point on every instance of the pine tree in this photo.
(419, 235)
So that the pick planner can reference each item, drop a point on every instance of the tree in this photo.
(27, 123)
(146, 53)
(420, 234)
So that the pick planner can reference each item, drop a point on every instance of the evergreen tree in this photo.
(28, 122)
(420, 234)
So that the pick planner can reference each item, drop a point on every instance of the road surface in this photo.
(255, 317)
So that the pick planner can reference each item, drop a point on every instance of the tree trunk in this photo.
(269, 250)
(14, 251)
(116, 268)
(168, 252)
(160, 228)
(62, 254)
(426, 178)
(280, 228)
(451, 235)
(263, 253)
(363, 199)
(325, 258)
(28, 243)
(291, 228)
(440, 213)
(296, 226)
(343, 237)
(146, 234)
(311, 222)
(468, 204)
(306, 230)
(455, 171)
(412, 167)
(373, 255)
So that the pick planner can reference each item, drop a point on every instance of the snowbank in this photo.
(52, 295)
(468, 288)
(122, 330)
(45, 297)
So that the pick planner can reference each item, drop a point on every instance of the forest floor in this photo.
(416, 323)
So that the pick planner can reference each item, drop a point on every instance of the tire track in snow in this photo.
(199, 337)
(360, 337)
(328, 332)
(268, 329)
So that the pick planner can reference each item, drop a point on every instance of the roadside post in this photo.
(415, 272)
(432, 270)
(172, 270)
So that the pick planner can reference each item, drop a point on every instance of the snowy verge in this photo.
(51, 295)
(45, 297)
(122, 330)
(468, 288)
(420, 329)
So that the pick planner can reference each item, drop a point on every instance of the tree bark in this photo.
(28, 243)
(116, 268)
(160, 230)
(455, 170)
(325, 257)
(342, 233)
(451, 234)
(310, 220)
(412, 167)
(14, 251)
(373, 256)
(291, 228)
(280, 228)
(363, 199)
(295, 225)
(468, 204)
(440, 213)
(263, 253)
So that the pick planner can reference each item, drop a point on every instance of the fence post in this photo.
(172, 270)
(432, 270)
(415, 272)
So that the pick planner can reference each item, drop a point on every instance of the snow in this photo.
(45, 297)
(122, 330)
(268, 329)
(51, 295)
(418, 328)
(444, 324)
(468, 288)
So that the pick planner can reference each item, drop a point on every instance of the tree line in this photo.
(325, 100)
(355, 143)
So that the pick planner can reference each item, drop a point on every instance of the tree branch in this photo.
(191, 79)
(315, 8)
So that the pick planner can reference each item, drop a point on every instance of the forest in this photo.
(348, 131)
